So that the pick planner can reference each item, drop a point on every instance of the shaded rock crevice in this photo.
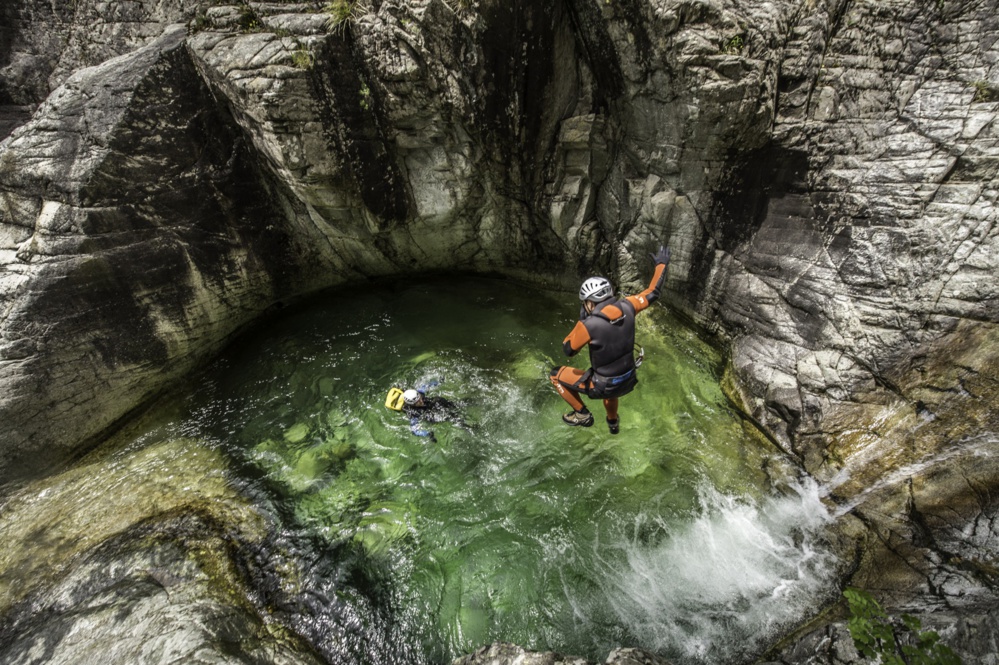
(350, 113)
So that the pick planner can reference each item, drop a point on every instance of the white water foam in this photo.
(719, 587)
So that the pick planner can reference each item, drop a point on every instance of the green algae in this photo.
(481, 529)
(57, 520)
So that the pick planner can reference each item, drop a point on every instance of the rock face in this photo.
(824, 172)
(123, 243)
(874, 208)
(169, 583)
(510, 654)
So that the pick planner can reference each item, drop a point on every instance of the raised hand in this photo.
(662, 256)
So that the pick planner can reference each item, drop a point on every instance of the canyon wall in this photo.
(824, 173)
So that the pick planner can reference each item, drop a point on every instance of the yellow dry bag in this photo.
(394, 399)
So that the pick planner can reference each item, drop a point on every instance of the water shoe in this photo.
(577, 418)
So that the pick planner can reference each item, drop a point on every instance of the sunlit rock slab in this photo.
(136, 558)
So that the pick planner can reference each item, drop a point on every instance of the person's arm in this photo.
(454, 411)
(642, 300)
(576, 340)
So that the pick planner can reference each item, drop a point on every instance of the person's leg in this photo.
(610, 405)
(567, 382)
(613, 421)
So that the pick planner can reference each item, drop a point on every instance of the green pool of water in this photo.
(511, 526)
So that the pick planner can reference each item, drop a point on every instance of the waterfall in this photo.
(724, 584)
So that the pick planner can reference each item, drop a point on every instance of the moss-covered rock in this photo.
(137, 557)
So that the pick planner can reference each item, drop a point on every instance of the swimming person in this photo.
(607, 325)
(421, 408)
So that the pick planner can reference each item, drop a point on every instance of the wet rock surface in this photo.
(510, 654)
(151, 568)
(824, 174)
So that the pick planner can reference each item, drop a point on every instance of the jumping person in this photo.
(607, 325)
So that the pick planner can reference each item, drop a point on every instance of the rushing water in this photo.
(511, 526)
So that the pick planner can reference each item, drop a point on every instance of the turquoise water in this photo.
(511, 526)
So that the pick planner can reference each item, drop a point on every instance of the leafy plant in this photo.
(365, 96)
(342, 12)
(199, 22)
(248, 20)
(734, 44)
(893, 641)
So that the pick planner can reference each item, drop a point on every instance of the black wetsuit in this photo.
(609, 331)
(434, 410)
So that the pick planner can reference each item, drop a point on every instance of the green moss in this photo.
(984, 92)
(730, 388)
(365, 93)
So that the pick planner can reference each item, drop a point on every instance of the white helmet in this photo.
(597, 289)
(411, 397)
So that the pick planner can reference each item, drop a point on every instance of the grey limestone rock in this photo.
(824, 173)
(125, 243)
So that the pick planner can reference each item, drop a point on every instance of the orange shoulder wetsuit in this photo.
(609, 332)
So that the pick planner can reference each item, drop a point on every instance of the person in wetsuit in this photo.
(421, 408)
(607, 325)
